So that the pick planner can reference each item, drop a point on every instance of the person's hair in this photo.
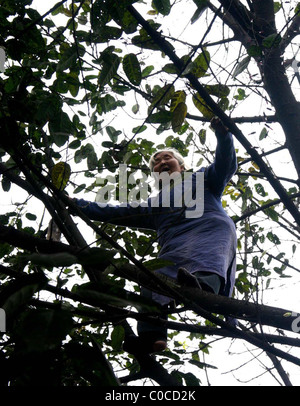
(173, 151)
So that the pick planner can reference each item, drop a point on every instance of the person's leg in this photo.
(152, 337)
(210, 282)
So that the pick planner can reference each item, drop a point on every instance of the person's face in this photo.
(165, 162)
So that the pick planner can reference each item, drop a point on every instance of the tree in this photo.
(76, 81)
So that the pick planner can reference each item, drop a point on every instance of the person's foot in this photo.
(136, 345)
(185, 278)
(159, 346)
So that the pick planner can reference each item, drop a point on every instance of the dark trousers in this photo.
(209, 282)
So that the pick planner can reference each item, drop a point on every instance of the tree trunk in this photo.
(282, 98)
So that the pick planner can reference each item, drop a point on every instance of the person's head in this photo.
(167, 160)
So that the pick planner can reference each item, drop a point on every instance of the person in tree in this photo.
(199, 240)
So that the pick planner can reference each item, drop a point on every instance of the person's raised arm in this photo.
(124, 215)
(225, 164)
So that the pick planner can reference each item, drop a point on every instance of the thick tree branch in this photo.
(283, 99)
(8, 172)
(263, 315)
(238, 120)
(241, 33)
(273, 71)
(263, 18)
(95, 317)
(252, 312)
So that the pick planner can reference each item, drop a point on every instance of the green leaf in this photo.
(162, 6)
(87, 151)
(170, 68)
(106, 33)
(6, 184)
(200, 65)
(263, 134)
(190, 379)
(254, 51)
(92, 160)
(43, 329)
(272, 41)
(260, 189)
(60, 175)
(146, 71)
(277, 6)
(202, 136)
(79, 188)
(162, 97)
(125, 19)
(68, 57)
(201, 7)
(241, 66)
(30, 216)
(139, 129)
(132, 69)
(113, 133)
(202, 106)
(273, 238)
(178, 116)
(60, 127)
(241, 94)
(219, 90)
(143, 40)
(178, 97)
(117, 337)
(107, 103)
(135, 109)
(47, 107)
(161, 117)
(271, 213)
(75, 144)
(73, 83)
(109, 69)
